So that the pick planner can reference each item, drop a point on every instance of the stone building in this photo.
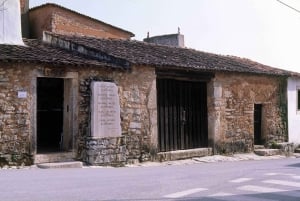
(61, 96)
(57, 19)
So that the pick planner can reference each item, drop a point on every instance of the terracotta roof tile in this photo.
(37, 52)
(142, 53)
(121, 54)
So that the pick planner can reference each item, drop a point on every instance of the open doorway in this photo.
(258, 139)
(50, 114)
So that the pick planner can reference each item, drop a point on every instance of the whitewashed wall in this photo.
(293, 114)
(10, 22)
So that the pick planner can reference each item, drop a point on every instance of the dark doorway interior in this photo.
(257, 124)
(50, 99)
(182, 114)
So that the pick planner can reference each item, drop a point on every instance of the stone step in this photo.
(267, 152)
(54, 157)
(184, 154)
(297, 150)
(74, 164)
(259, 147)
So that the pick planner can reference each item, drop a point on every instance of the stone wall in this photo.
(138, 114)
(231, 99)
(135, 93)
(106, 151)
(15, 125)
(62, 21)
(231, 110)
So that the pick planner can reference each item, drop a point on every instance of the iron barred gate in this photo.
(182, 114)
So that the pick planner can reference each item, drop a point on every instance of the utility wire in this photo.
(298, 11)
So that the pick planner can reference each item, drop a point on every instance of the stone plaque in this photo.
(105, 110)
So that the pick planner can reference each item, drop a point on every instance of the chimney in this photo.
(10, 22)
(25, 17)
(174, 40)
(24, 6)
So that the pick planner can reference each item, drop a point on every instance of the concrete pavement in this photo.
(196, 160)
(214, 159)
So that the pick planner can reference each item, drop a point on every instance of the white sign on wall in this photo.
(22, 94)
(105, 110)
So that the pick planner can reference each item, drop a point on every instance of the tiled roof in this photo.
(114, 53)
(36, 52)
(142, 53)
(96, 20)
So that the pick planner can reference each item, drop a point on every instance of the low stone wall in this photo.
(105, 151)
(16, 159)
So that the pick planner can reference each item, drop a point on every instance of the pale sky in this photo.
(262, 30)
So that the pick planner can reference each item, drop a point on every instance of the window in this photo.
(298, 99)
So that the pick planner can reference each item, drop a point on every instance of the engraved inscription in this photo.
(105, 110)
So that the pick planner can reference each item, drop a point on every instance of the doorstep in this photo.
(267, 152)
(259, 147)
(73, 164)
(184, 154)
(54, 157)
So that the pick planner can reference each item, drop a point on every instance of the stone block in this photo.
(74, 164)
(286, 148)
(121, 157)
(259, 147)
(217, 92)
(267, 152)
(184, 154)
(135, 125)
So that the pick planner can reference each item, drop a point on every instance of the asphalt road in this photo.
(230, 181)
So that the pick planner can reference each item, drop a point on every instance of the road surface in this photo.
(267, 180)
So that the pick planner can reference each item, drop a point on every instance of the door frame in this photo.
(70, 122)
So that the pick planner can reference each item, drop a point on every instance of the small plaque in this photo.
(22, 94)
(105, 110)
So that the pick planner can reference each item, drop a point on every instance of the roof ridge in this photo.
(57, 40)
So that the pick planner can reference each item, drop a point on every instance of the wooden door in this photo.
(182, 114)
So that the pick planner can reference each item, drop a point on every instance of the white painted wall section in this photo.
(10, 22)
(293, 113)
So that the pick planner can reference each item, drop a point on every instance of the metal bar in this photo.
(175, 99)
(170, 87)
(160, 90)
(166, 116)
